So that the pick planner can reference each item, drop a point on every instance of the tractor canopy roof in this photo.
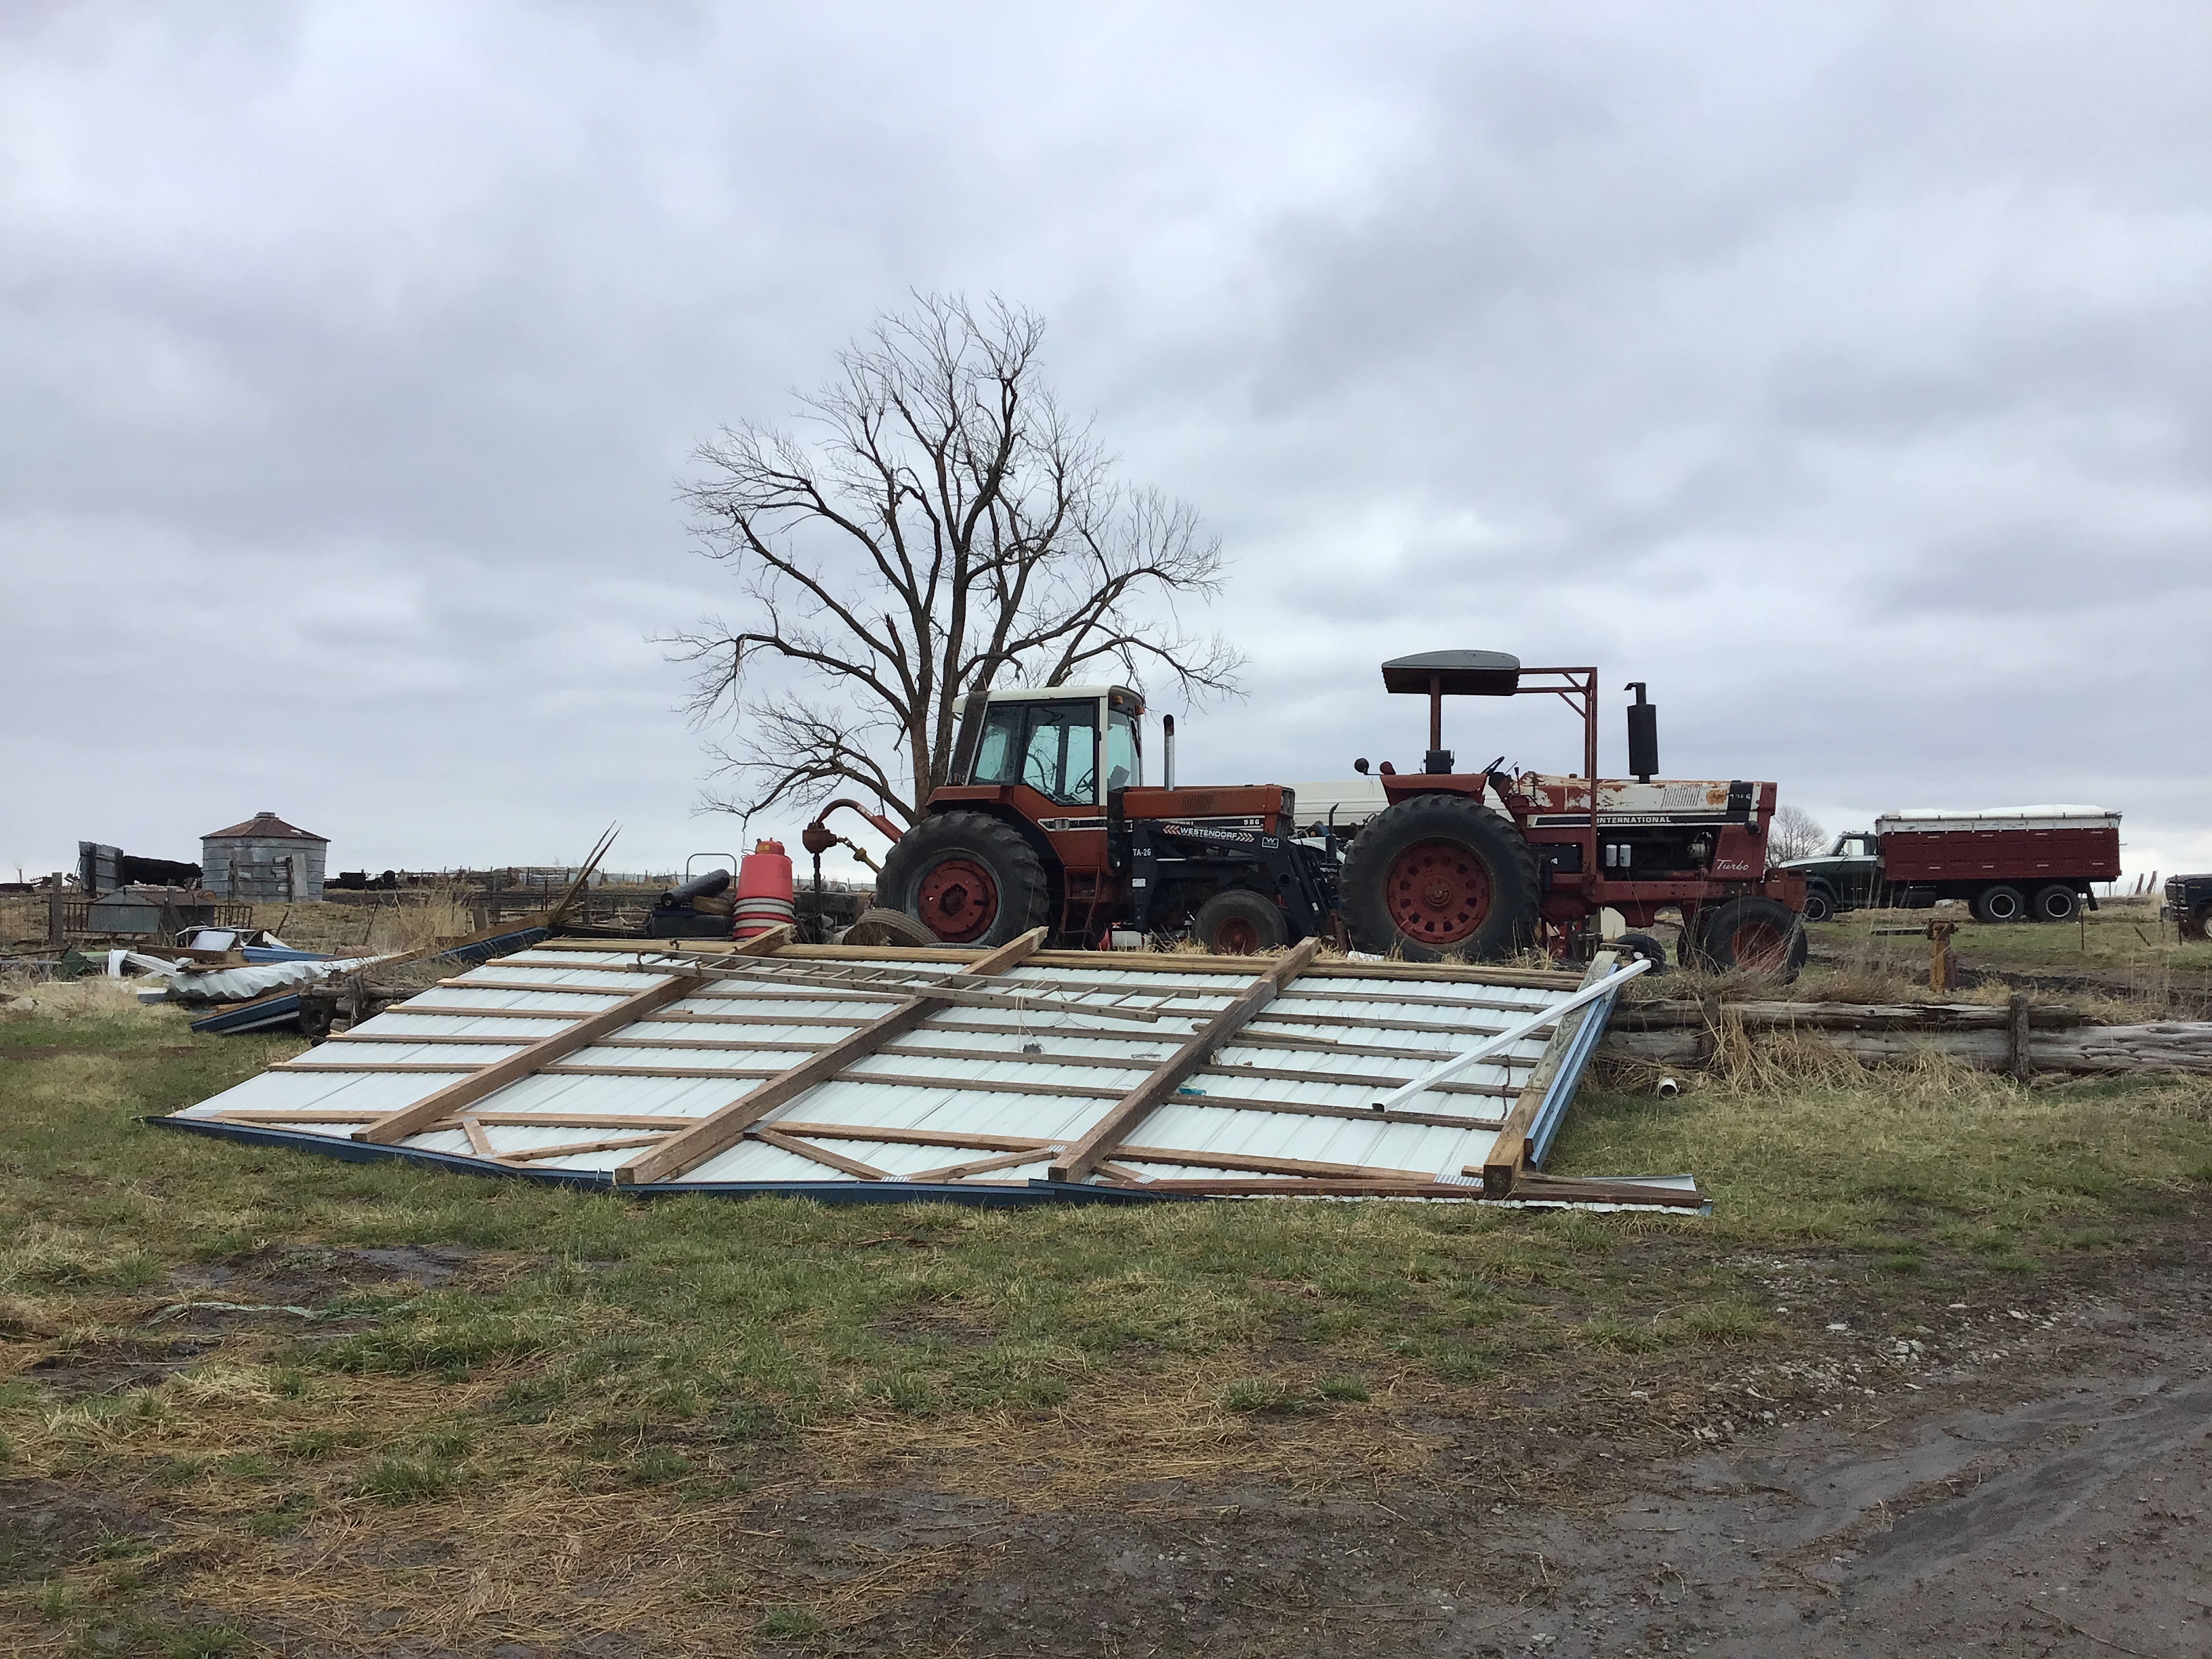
(1455, 674)
(1124, 699)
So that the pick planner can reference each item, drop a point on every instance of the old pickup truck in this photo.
(2011, 863)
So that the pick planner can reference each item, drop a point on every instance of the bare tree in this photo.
(942, 527)
(1795, 834)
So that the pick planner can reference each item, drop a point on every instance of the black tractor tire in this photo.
(877, 926)
(1640, 947)
(1751, 935)
(1819, 902)
(1439, 876)
(968, 879)
(1999, 905)
(2057, 902)
(1238, 922)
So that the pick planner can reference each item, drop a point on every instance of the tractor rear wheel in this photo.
(1753, 935)
(967, 878)
(1439, 875)
(1239, 922)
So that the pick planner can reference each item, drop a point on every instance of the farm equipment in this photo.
(1047, 820)
(2010, 863)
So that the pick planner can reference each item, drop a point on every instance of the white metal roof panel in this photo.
(957, 1087)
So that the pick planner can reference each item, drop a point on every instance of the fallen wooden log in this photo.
(2087, 1050)
(1839, 1016)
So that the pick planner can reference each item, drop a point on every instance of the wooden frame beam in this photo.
(396, 1127)
(1125, 1115)
(798, 1148)
(719, 1131)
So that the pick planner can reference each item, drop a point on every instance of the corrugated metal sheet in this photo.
(1288, 1099)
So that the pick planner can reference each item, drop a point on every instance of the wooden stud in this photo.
(984, 1165)
(571, 1148)
(479, 1142)
(798, 1148)
(1080, 1159)
(1297, 1166)
(721, 1130)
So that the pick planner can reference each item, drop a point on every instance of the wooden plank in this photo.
(572, 1148)
(1508, 1153)
(442, 1012)
(722, 1129)
(479, 1142)
(396, 1127)
(1080, 1159)
(890, 1137)
(984, 1165)
(545, 987)
(514, 1040)
(798, 1148)
(1297, 1166)
(452, 1067)
(1133, 960)
(577, 1068)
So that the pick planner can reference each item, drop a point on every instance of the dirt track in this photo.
(2032, 1486)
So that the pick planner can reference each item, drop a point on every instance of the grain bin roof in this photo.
(264, 826)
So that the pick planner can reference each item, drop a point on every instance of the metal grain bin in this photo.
(264, 859)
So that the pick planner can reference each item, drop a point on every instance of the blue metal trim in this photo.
(823, 1191)
(1565, 1081)
(251, 1016)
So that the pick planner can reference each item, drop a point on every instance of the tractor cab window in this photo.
(1125, 759)
(1053, 747)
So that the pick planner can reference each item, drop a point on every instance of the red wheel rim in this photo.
(1437, 892)
(1239, 936)
(1759, 947)
(958, 901)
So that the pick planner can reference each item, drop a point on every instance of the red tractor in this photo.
(1047, 821)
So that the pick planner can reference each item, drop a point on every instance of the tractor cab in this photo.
(1072, 744)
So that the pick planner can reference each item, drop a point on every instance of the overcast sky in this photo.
(1841, 371)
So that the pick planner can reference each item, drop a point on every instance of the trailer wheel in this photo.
(2057, 902)
(2200, 923)
(1753, 935)
(1239, 922)
(2000, 904)
(1819, 902)
(1439, 874)
(967, 878)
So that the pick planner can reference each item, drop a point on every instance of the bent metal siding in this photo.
(1004, 1077)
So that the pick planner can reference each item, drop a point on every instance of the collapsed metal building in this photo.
(1010, 1076)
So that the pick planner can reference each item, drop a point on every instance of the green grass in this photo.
(603, 1356)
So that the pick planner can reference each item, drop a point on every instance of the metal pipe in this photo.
(1511, 1035)
(1167, 751)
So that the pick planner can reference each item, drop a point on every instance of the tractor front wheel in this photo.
(967, 878)
(1753, 936)
(1439, 875)
(1240, 923)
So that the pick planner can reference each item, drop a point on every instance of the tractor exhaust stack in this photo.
(1642, 735)
(1167, 751)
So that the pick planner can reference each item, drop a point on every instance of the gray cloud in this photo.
(1841, 374)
